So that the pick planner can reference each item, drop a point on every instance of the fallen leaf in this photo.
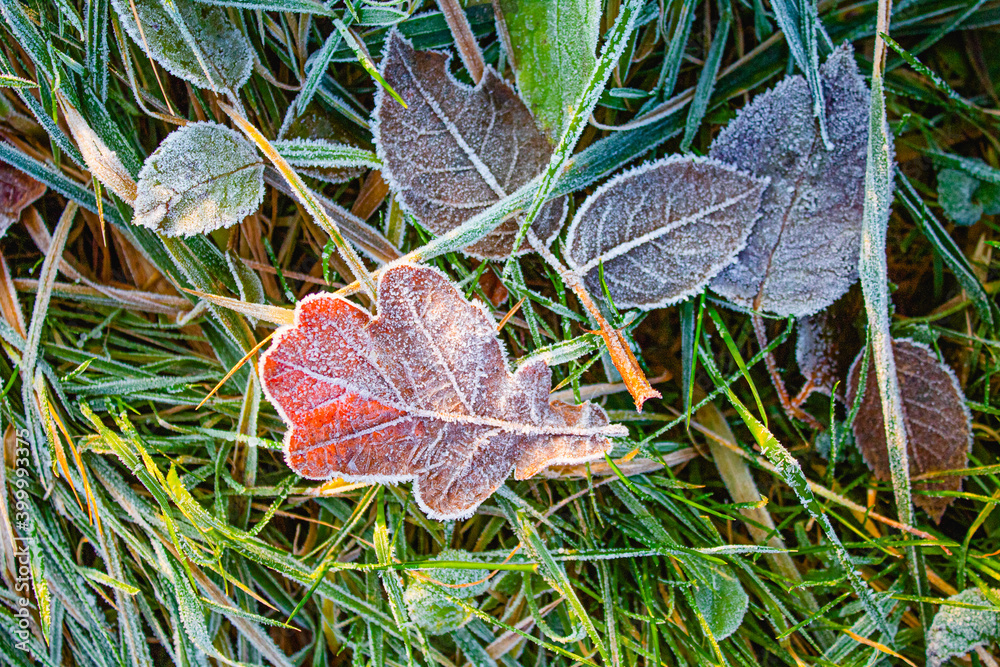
(428, 596)
(803, 252)
(221, 58)
(457, 150)
(826, 344)
(421, 392)
(956, 630)
(203, 176)
(965, 198)
(664, 230)
(17, 192)
(938, 424)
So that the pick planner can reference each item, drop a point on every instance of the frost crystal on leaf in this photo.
(224, 54)
(456, 151)
(422, 392)
(427, 598)
(957, 630)
(803, 253)
(663, 230)
(202, 177)
(17, 192)
(938, 424)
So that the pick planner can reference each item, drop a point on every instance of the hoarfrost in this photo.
(223, 60)
(203, 176)
(957, 630)
(938, 423)
(664, 230)
(422, 392)
(455, 150)
(803, 253)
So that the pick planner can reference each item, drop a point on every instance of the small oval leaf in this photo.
(663, 230)
(213, 53)
(552, 46)
(203, 176)
(938, 423)
(956, 630)
(720, 597)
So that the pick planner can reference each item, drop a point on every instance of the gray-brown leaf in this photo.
(456, 151)
(17, 192)
(664, 230)
(803, 253)
(938, 424)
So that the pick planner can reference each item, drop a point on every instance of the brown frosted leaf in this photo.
(803, 252)
(938, 424)
(457, 150)
(826, 345)
(17, 192)
(421, 392)
(663, 230)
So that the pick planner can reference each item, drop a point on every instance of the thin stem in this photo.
(791, 408)
(468, 47)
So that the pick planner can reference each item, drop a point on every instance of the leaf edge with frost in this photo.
(142, 183)
(638, 170)
(381, 97)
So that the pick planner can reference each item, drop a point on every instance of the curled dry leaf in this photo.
(221, 58)
(938, 423)
(203, 176)
(803, 252)
(456, 150)
(103, 163)
(421, 392)
(664, 230)
(17, 192)
(827, 342)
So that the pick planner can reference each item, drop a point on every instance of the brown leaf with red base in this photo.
(421, 392)
(17, 192)
(938, 425)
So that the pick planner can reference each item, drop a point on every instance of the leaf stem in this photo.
(621, 354)
(465, 40)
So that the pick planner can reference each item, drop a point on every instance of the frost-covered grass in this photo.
(138, 526)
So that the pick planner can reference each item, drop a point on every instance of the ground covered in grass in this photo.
(177, 175)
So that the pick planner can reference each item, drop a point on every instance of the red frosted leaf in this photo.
(421, 392)
(17, 192)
